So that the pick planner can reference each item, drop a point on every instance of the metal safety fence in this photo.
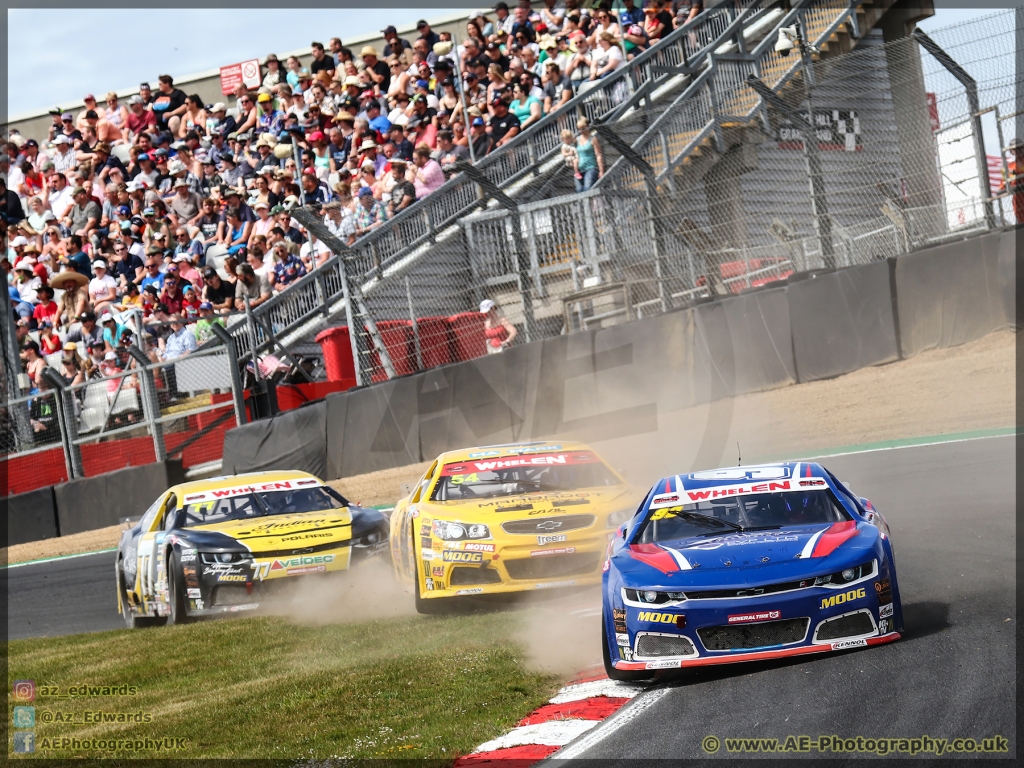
(713, 190)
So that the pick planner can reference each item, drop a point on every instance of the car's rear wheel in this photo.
(621, 675)
(176, 589)
(426, 607)
(133, 620)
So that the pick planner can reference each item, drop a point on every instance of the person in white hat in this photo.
(102, 288)
(498, 331)
(25, 278)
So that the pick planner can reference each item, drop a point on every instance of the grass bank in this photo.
(267, 688)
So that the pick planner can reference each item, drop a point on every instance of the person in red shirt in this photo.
(49, 342)
(47, 308)
(140, 119)
(171, 296)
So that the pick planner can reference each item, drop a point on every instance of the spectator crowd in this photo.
(145, 221)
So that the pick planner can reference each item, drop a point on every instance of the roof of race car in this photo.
(737, 481)
(511, 449)
(256, 480)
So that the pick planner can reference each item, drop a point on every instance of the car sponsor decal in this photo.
(187, 556)
(745, 473)
(885, 611)
(293, 566)
(427, 554)
(543, 460)
(232, 577)
(554, 584)
(666, 664)
(238, 490)
(469, 546)
(843, 644)
(472, 591)
(745, 618)
(451, 556)
(514, 450)
(192, 592)
(429, 582)
(883, 627)
(622, 638)
(619, 619)
(191, 579)
(245, 607)
(742, 539)
(884, 590)
(552, 538)
(625, 653)
(437, 570)
(656, 617)
(556, 551)
(842, 597)
(721, 491)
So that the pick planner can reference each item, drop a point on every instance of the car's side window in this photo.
(150, 514)
(424, 483)
(169, 513)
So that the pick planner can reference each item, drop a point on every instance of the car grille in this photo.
(649, 646)
(298, 551)
(548, 525)
(462, 576)
(760, 635)
(851, 625)
(553, 565)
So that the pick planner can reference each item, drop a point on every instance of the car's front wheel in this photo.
(426, 607)
(621, 675)
(176, 589)
(131, 619)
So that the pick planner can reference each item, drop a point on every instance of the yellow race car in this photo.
(226, 544)
(508, 518)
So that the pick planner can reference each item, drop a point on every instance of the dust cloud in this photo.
(561, 634)
(366, 592)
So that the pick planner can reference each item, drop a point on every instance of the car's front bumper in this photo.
(507, 567)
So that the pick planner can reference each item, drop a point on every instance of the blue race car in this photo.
(745, 564)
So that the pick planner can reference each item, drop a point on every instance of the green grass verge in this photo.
(266, 688)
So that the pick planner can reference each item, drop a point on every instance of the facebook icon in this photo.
(24, 741)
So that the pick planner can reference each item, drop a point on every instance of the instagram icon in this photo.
(24, 690)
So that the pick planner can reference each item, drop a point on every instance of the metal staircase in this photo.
(678, 105)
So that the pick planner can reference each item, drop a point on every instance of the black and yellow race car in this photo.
(226, 544)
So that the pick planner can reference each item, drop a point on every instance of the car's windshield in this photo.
(734, 513)
(518, 475)
(248, 505)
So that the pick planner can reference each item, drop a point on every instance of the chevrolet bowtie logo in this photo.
(549, 525)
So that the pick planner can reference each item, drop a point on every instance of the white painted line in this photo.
(594, 688)
(553, 733)
(61, 557)
(624, 716)
(810, 457)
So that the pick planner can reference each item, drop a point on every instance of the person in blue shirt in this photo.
(78, 259)
(152, 276)
(378, 122)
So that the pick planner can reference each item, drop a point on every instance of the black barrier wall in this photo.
(98, 502)
(30, 517)
(598, 385)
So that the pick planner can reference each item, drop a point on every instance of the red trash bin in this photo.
(435, 341)
(338, 355)
(397, 338)
(468, 335)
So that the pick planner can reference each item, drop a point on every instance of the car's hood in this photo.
(588, 500)
(277, 532)
(781, 553)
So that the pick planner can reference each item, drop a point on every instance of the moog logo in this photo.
(657, 618)
(842, 597)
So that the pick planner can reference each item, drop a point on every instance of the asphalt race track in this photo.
(951, 508)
